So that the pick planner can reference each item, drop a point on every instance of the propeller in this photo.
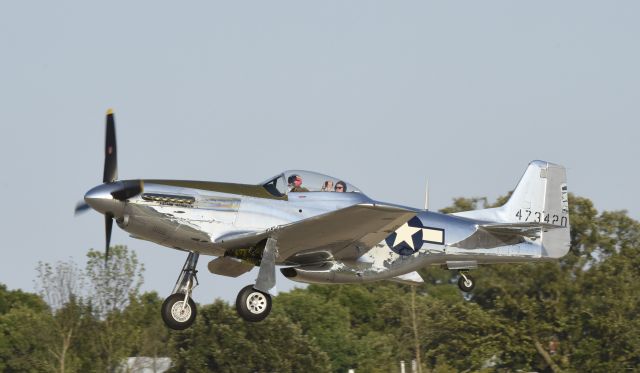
(108, 225)
(110, 151)
(98, 197)
(110, 173)
(81, 207)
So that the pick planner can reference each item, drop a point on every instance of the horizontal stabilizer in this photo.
(531, 229)
(229, 267)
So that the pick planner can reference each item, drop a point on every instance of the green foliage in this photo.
(604, 328)
(233, 345)
(21, 346)
(148, 335)
(10, 299)
(115, 280)
(465, 204)
(326, 321)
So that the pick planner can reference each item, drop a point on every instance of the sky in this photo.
(384, 94)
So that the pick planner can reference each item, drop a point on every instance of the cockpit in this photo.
(299, 181)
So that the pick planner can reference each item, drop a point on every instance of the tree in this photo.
(17, 298)
(61, 286)
(220, 341)
(113, 283)
(325, 321)
(465, 204)
(603, 331)
(24, 321)
(578, 313)
(24, 336)
(147, 331)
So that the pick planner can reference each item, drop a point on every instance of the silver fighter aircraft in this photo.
(322, 229)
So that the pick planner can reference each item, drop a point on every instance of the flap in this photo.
(411, 278)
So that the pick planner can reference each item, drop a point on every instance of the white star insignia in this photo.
(404, 234)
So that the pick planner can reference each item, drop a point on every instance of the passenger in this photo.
(327, 186)
(341, 187)
(296, 181)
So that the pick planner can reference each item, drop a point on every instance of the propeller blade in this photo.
(130, 188)
(110, 151)
(108, 224)
(81, 207)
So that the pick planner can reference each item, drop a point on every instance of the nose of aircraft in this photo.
(101, 200)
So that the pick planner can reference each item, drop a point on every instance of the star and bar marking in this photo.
(411, 235)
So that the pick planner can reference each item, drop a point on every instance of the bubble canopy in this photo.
(310, 181)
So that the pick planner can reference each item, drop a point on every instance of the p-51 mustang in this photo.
(321, 229)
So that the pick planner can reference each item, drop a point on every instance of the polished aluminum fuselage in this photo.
(196, 220)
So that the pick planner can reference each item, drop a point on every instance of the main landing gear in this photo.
(466, 283)
(254, 302)
(179, 310)
(253, 305)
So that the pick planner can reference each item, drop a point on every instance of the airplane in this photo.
(324, 230)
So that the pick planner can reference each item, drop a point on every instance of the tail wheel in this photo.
(466, 283)
(177, 314)
(253, 305)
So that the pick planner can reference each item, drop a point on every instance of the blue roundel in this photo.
(402, 247)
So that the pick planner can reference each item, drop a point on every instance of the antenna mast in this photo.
(426, 195)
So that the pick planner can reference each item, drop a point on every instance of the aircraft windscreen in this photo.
(307, 181)
(276, 186)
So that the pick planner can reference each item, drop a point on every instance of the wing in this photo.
(343, 234)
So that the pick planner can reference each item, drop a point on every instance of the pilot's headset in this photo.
(291, 180)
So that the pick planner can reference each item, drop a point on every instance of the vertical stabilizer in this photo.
(543, 191)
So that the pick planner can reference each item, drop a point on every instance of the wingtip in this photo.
(109, 111)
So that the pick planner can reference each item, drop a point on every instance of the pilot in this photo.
(296, 181)
(341, 187)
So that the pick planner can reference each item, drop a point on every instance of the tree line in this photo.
(578, 314)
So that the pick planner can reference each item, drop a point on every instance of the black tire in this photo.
(466, 285)
(173, 319)
(253, 305)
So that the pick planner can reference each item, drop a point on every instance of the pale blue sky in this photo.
(383, 94)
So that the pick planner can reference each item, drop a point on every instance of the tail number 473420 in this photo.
(541, 217)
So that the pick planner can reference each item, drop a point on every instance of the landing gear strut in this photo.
(179, 310)
(466, 283)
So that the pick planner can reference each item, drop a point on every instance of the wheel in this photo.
(176, 314)
(467, 284)
(253, 305)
